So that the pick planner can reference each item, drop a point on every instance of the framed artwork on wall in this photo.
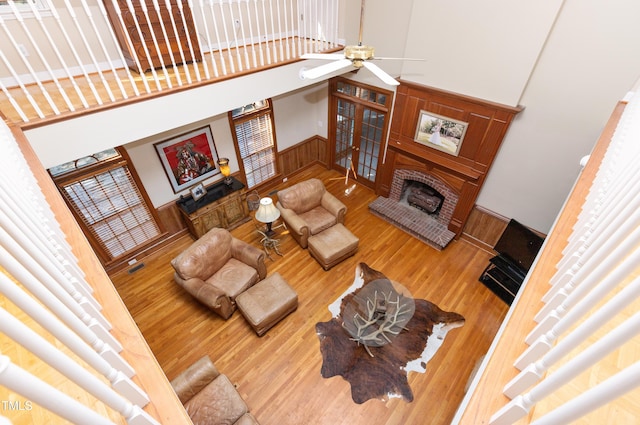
(189, 158)
(439, 132)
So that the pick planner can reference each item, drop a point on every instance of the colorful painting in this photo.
(188, 159)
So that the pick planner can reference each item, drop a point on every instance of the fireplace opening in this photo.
(422, 196)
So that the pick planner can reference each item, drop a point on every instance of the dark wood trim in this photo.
(488, 123)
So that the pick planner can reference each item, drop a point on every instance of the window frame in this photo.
(244, 117)
(91, 170)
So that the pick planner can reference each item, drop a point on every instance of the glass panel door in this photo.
(359, 129)
(369, 143)
(345, 124)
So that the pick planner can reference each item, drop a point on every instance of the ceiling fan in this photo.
(357, 56)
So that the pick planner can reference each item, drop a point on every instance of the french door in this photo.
(359, 128)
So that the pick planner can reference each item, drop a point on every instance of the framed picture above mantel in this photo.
(440, 132)
(188, 159)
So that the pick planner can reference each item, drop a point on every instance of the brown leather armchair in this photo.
(308, 209)
(218, 267)
(209, 397)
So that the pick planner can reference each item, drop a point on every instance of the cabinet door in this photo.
(234, 211)
(208, 221)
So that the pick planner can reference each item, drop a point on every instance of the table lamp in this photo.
(225, 170)
(267, 213)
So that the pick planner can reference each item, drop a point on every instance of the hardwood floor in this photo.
(279, 374)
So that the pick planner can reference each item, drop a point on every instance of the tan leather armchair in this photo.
(308, 209)
(218, 267)
(209, 397)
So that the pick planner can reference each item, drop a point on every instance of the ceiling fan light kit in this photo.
(357, 56)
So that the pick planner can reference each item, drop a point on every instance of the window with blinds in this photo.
(102, 192)
(252, 126)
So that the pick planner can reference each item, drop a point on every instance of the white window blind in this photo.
(113, 210)
(256, 146)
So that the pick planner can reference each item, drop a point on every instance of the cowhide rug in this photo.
(381, 371)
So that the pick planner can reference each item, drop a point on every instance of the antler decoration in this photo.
(385, 316)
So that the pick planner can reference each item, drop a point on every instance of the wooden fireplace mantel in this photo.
(465, 173)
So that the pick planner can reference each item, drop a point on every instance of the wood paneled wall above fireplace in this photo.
(465, 173)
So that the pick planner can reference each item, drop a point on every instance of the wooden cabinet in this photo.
(136, 31)
(222, 206)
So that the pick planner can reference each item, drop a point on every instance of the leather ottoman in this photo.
(333, 245)
(267, 302)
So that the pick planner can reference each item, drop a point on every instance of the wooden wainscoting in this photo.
(311, 151)
(484, 227)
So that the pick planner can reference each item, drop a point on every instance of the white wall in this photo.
(484, 49)
(71, 139)
(296, 118)
(589, 63)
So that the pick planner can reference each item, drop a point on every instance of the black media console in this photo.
(517, 248)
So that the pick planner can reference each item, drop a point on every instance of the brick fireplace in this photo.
(430, 227)
(456, 177)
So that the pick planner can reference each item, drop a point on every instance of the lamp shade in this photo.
(267, 212)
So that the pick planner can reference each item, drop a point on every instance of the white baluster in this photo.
(21, 382)
(225, 32)
(127, 36)
(604, 281)
(88, 48)
(531, 371)
(568, 371)
(37, 345)
(593, 398)
(102, 357)
(188, 35)
(28, 255)
(37, 278)
(620, 236)
(266, 32)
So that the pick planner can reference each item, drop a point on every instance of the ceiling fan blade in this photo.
(386, 78)
(323, 56)
(324, 69)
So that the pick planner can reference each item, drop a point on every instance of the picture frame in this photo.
(439, 132)
(198, 191)
(188, 158)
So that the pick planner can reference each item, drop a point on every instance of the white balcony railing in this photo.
(59, 56)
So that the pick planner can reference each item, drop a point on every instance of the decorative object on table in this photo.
(377, 313)
(253, 200)
(189, 158)
(225, 170)
(439, 132)
(380, 371)
(267, 213)
(198, 191)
